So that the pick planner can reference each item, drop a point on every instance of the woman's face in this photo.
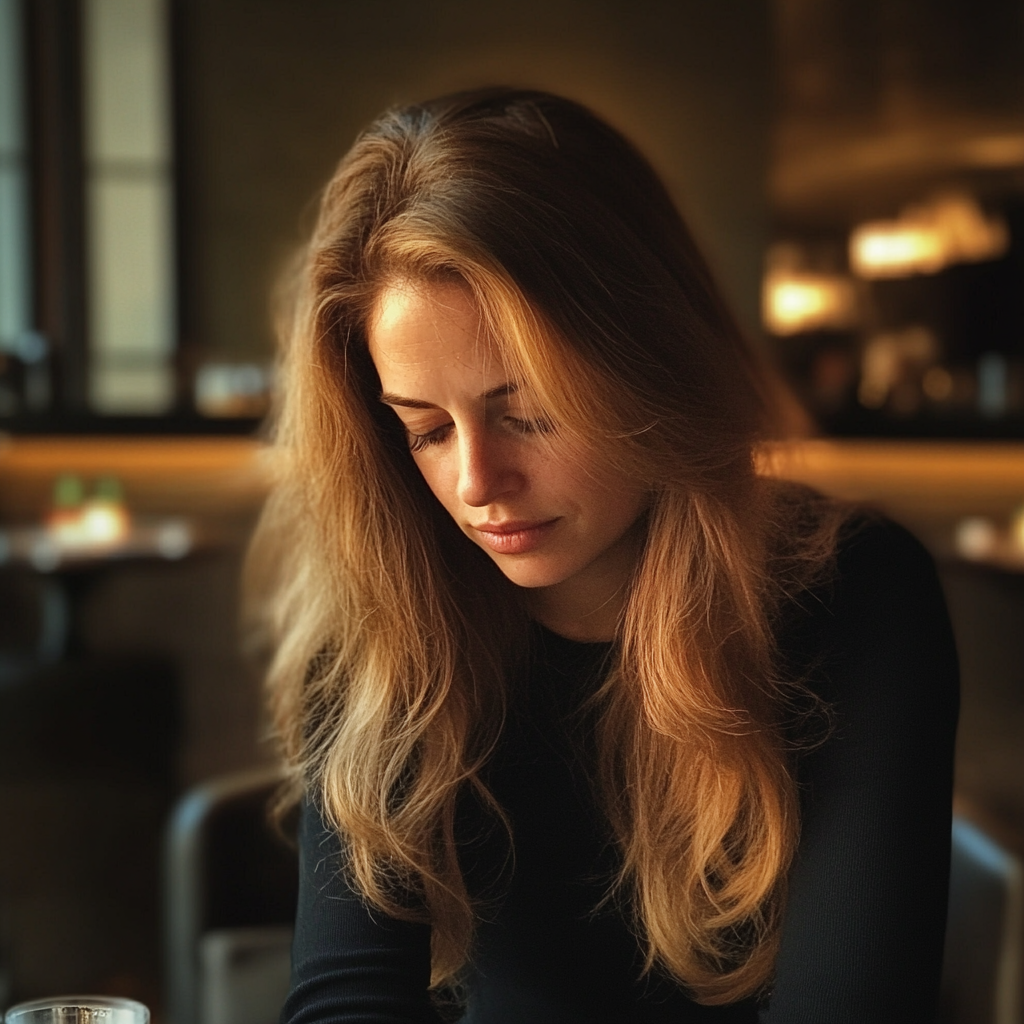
(551, 519)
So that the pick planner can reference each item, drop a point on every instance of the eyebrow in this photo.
(502, 390)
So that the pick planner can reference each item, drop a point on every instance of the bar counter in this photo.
(929, 486)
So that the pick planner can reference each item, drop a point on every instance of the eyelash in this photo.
(418, 442)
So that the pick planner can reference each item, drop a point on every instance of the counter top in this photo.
(929, 486)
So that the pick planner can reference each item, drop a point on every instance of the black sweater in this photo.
(863, 934)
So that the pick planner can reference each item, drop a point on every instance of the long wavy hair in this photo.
(396, 640)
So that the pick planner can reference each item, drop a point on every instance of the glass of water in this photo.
(78, 1010)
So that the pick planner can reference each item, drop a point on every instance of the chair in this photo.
(231, 886)
(984, 956)
(34, 622)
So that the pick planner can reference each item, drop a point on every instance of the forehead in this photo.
(425, 328)
(437, 304)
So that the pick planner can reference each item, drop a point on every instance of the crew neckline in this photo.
(548, 635)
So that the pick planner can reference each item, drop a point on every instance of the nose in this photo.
(487, 470)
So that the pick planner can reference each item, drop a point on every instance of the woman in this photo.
(592, 721)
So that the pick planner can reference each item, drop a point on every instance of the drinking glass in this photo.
(78, 1010)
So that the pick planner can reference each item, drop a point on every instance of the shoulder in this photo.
(873, 549)
(882, 631)
(885, 581)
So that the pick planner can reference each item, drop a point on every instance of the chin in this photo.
(532, 577)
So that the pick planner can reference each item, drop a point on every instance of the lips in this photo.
(514, 536)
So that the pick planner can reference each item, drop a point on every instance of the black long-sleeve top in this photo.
(863, 931)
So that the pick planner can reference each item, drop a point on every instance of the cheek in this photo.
(438, 478)
(590, 482)
(611, 503)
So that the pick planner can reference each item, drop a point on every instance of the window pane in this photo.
(126, 81)
(131, 316)
(15, 281)
(129, 207)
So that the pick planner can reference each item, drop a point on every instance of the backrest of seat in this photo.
(226, 871)
(982, 971)
(244, 974)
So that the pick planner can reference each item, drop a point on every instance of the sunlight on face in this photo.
(551, 519)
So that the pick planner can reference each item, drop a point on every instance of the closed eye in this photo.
(439, 435)
(417, 442)
(528, 426)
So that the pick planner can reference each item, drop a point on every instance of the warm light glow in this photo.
(76, 524)
(950, 228)
(1017, 531)
(892, 250)
(794, 302)
(104, 524)
(996, 151)
(976, 538)
(96, 526)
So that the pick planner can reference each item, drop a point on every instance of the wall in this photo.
(272, 93)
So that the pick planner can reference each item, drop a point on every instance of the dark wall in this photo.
(272, 92)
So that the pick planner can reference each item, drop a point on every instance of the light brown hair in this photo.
(396, 638)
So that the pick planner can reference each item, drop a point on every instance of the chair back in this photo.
(982, 971)
(230, 891)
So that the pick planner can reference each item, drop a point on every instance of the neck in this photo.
(579, 623)
(589, 605)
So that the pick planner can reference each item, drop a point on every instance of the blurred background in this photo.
(853, 168)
